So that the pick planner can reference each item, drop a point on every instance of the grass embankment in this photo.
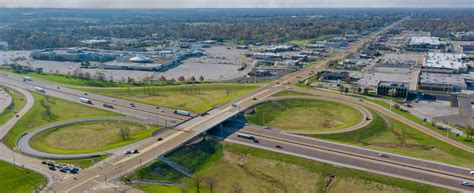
(404, 140)
(290, 93)
(237, 168)
(18, 180)
(47, 110)
(18, 102)
(91, 136)
(416, 119)
(83, 163)
(196, 98)
(305, 115)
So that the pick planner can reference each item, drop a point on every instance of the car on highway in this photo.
(132, 104)
(85, 100)
(135, 151)
(266, 127)
(471, 172)
(278, 146)
(255, 99)
(383, 155)
(52, 168)
(39, 89)
(160, 139)
(467, 183)
(86, 94)
(108, 106)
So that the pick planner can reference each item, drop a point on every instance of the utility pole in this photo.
(13, 157)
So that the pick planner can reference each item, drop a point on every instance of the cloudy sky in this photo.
(232, 3)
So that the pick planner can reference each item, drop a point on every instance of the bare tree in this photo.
(198, 183)
(162, 78)
(236, 188)
(181, 79)
(125, 133)
(211, 183)
(201, 78)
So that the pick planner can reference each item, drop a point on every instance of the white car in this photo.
(467, 183)
(471, 172)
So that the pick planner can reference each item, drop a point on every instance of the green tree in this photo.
(469, 132)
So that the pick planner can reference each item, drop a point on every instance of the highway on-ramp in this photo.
(23, 143)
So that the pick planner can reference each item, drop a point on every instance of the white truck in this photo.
(39, 89)
(85, 100)
(181, 112)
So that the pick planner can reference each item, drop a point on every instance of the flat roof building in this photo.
(444, 62)
(425, 43)
(441, 82)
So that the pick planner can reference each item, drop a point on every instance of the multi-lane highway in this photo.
(164, 116)
(353, 157)
(186, 129)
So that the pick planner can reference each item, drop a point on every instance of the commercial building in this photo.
(395, 89)
(72, 55)
(267, 56)
(278, 48)
(444, 63)
(140, 58)
(417, 44)
(329, 75)
(441, 82)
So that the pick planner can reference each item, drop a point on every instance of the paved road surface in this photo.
(369, 163)
(165, 116)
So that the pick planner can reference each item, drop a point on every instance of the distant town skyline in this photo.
(234, 3)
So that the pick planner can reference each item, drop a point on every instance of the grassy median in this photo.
(220, 164)
(19, 180)
(18, 103)
(47, 110)
(305, 115)
(196, 98)
(91, 136)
